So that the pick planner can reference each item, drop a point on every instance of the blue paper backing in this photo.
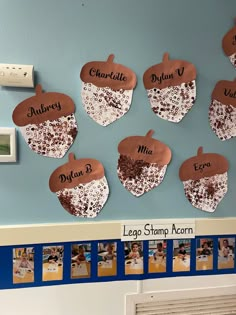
(6, 254)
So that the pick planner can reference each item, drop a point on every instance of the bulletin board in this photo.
(44, 255)
(58, 37)
(40, 270)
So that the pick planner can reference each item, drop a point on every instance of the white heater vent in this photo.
(219, 300)
(212, 305)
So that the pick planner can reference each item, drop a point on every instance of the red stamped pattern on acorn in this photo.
(222, 110)
(142, 163)
(171, 88)
(47, 122)
(107, 90)
(205, 180)
(81, 186)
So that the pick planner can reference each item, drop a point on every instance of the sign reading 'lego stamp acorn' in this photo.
(157, 229)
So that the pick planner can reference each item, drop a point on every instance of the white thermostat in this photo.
(16, 75)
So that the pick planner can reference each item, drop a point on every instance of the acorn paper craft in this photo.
(171, 88)
(107, 90)
(205, 179)
(229, 44)
(142, 163)
(47, 122)
(222, 110)
(81, 186)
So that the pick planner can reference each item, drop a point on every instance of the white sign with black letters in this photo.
(157, 229)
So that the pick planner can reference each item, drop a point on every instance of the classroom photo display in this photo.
(204, 254)
(81, 260)
(157, 251)
(23, 265)
(96, 261)
(107, 262)
(226, 253)
(181, 255)
(133, 252)
(53, 263)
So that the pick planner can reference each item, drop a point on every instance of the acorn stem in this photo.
(200, 151)
(110, 58)
(150, 133)
(165, 57)
(71, 157)
(38, 89)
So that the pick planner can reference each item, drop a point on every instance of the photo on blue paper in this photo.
(133, 252)
(157, 252)
(181, 255)
(107, 259)
(226, 247)
(53, 263)
(81, 260)
(23, 265)
(204, 254)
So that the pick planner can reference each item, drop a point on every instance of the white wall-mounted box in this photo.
(16, 75)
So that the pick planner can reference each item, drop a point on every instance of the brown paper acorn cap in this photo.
(108, 74)
(75, 172)
(225, 92)
(167, 70)
(145, 148)
(229, 41)
(22, 114)
(203, 165)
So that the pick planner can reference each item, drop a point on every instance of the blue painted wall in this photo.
(58, 37)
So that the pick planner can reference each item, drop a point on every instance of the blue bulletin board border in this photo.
(6, 263)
